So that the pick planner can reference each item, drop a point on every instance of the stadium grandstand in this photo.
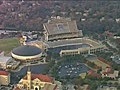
(61, 28)
(75, 46)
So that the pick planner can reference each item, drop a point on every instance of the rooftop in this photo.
(26, 50)
(44, 78)
(4, 73)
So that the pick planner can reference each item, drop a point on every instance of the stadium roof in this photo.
(26, 50)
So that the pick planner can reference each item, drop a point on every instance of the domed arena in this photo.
(26, 53)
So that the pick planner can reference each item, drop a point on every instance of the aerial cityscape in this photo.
(59, 45)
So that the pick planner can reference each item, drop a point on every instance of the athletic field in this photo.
(8, 44)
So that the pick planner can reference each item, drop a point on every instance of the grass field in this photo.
(8, 44)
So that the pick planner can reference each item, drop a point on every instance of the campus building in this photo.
(36, 82)
(4, 78)
(26, 53)
(4, 61)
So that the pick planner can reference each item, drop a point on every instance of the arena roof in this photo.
(26, 50)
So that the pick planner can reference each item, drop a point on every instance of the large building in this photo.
(26, 53)
(61, 28)
(75, 46)
(36, 82)
(4, 78)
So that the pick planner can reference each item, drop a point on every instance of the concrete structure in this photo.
(36, 82)
(4, 61)
(26, 53)
(76, 46)
(4, 78)
(13, 64)
(61, 28)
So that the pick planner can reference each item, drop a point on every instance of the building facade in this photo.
(4, 78)
(36, 82)
(88, 50)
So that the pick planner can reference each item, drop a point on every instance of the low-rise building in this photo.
(113, 75)
(4, 61)
(4, 78)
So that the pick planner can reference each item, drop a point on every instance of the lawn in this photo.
(8, 44)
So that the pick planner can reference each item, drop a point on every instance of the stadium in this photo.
(62, 36)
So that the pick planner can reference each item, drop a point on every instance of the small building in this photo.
(4, 61)
(4, 78)
(113, 75)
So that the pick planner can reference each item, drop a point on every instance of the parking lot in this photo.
(72, 70)
(116, 59)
